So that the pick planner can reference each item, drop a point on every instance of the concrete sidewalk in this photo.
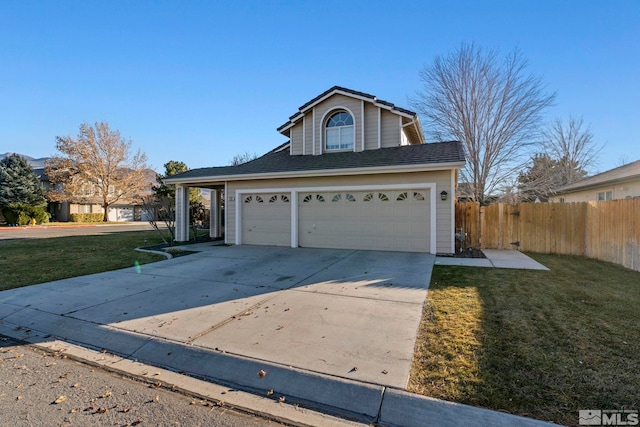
(331, 330)
(495, 258)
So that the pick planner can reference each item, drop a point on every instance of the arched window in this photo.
(339, 132)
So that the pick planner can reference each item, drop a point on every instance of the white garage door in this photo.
(266, 219)
(376, 220)
(120, 214)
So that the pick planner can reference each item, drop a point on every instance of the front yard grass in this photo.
(30, 261)
(541, 344)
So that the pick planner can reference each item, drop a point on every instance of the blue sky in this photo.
(202, 81)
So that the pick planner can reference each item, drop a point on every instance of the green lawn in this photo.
(30, 261)
(542, 344)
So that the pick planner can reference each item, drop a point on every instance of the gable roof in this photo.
(626, 172)
(350, 93)
(280, 162)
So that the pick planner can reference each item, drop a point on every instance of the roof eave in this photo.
(339, 91)
(429, 167)
(571, 189)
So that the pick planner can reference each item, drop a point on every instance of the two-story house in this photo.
(356, 173)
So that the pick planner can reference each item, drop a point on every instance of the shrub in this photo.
(86, 217)
(23, 218)
(39, 215)
(22, 214)
(10, 216)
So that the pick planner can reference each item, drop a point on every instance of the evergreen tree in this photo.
(20, 190)
(174, 167)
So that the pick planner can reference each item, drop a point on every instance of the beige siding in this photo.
(296, 139)
(444, 228)
(308, 129)
(390, 129)
(442, 179)
(370, 126)
(620, 191)
(75, 208)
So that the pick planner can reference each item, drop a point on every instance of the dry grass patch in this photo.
(532, 343)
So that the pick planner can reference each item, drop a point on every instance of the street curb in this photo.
(401, 408)
(240, 381)
(268, 408)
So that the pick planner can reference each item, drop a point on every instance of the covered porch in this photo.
(216, 222)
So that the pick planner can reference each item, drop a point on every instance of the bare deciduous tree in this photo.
(245, 157)
(490, 104)
(571, 144)
(97, 167)
(161, 209)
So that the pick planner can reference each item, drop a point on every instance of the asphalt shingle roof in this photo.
(373, 98)
(282, 161)
(627, 171)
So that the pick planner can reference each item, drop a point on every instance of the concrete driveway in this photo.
(324, 324)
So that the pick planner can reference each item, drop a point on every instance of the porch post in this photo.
(182, 213)
(214, 220)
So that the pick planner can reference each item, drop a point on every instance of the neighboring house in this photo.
(619, 183)
(121, 211)
(356, 173)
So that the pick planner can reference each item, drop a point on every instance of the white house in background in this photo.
(619, 183)
(356, 173)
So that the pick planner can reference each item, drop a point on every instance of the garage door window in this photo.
(376, 219)
(317, 197)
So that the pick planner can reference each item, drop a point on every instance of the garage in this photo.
(397, 220)
(120, 213)
(266, 219)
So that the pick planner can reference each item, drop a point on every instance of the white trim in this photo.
(408, 124)
(294, 218)
(323, 128)
(284, 147)
(362, 131)
(322, 172)
(400, 128)
(416, 125)
(304, 135)
(213, 213)
(226, 216)
(313, 132)
(238, 218)
(379, 127)
(294, 202)
(351, 95)
(452, 196)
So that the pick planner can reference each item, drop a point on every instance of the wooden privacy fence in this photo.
(609, 231)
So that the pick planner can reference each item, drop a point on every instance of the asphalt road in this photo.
(38, 388)
(40, 232)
